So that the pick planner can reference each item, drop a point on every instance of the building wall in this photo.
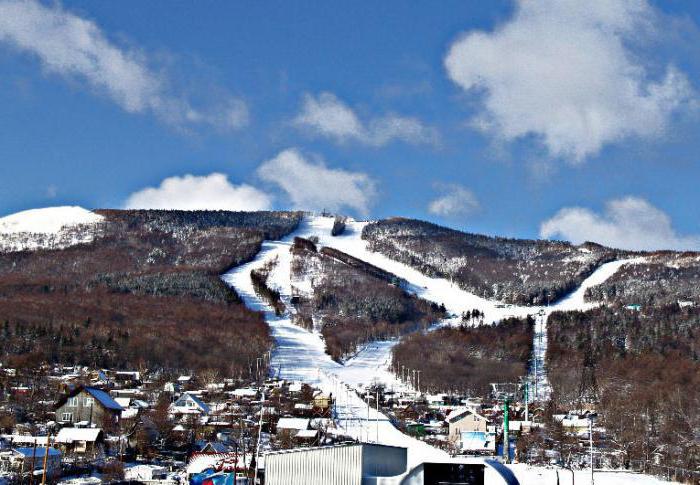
(53, 465)
(340, 465)
(83, 411)
(383, 461)
(469, 423)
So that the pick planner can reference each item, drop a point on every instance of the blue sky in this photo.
(566, 119)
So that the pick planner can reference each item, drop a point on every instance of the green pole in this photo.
(506, 441)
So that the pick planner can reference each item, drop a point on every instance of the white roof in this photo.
(25, 439)
(293, 423)
(245, 392)
(306, 433)
(69, 435)
(123, 401)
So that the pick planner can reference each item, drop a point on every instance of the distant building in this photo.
(464, 419)
(26, 460)
(331, 465)
(88, 406)
(477, 442)
(189, 404)
(80, 441)
(364, 463)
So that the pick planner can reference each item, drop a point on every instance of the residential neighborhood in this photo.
(102, 425)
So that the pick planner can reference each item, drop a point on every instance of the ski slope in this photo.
(541, 390)
(300, 354)
(456, 301)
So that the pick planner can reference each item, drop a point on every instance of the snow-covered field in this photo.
(531, 475)
(48, 228)
(300, 355)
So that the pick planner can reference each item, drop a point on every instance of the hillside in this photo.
(351, 301)
(468, 359)
(661, 279)
(517, 271)
(145, 290)
(646, 367)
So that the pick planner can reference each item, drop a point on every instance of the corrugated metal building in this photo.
(351, 464)
(371, 464)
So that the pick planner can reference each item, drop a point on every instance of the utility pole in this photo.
(376, 418)
(257, 447)
(527, 399)
(31, 475)
(590, 438)
(367, 423)
(46, 460)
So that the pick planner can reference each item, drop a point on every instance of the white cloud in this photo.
(628, 223)
(455, 201)
(76, 48)
(191, 192)
(563, 71)
(314, 186)
(326, 115)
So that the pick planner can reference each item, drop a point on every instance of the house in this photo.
(25, 460)
(188, 403)
(293, 425)
(88, 406)
(477, 442)
(80, 441)
(463, 419)
(321, 401)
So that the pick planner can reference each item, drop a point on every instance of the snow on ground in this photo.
(300, 354)
(48, 228)
(531, 475)
(455, 299)
(575, 300)
(48, 220)
(541, 389)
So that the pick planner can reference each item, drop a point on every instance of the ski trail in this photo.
(537, 374)
(456, 301)
(300, 355)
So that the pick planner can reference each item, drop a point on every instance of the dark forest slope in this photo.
(146, 291)
(511, 270)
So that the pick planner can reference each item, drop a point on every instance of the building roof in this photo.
(460, 413)
(98, 394)
(37, 452)
(306, 433)
(103, 398)
(200, 404)
(293, 423)
(69, 435)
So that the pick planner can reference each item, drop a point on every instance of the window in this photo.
(67, 417)
(89, 401)
(73, 401)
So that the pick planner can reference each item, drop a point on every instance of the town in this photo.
(81, 425)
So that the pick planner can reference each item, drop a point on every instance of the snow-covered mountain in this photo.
(48, 228)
